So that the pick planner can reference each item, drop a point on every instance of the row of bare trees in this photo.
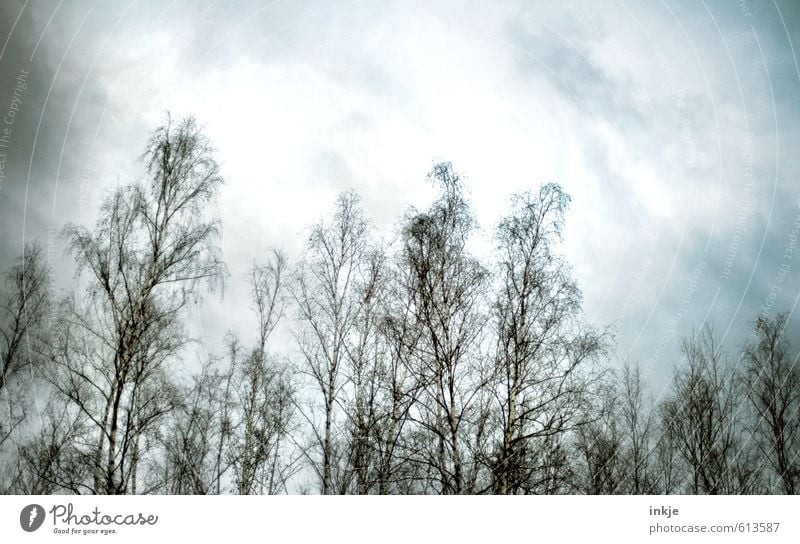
(371, 367)
(723, 426)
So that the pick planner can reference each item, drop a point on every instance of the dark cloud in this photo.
(713, 129)
(676, 139)
(569, 67)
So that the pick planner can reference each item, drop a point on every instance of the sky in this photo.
(673, 125)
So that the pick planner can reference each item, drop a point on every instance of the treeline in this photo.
(411, 367)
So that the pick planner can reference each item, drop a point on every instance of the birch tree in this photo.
(143, 264)
(263, 414)
(24, 307)
(638, 428)
(772, 384)
(324, 291)
(699, 417)
(541, 364)
(446, 288)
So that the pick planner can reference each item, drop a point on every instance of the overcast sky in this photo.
(673, 125)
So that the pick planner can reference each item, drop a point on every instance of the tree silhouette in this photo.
(542, 347)
(414, 365)
(772, 384)
(24, 306)
(143, 264)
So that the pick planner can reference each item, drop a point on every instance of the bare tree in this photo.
(365, 406)
(599, 446)
(50, 460)
(24, 306)
(772, 382)
(615, 450)
(325, 292)
(698, 418)
(196, 437)
(264, 395)
(637, 426)
(446, 287)
(541, 375)
(143, 263)
(396, 471)
(668, 472)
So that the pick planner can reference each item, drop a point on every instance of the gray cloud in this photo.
(675, 139)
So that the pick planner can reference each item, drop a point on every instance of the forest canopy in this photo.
(411, 366)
